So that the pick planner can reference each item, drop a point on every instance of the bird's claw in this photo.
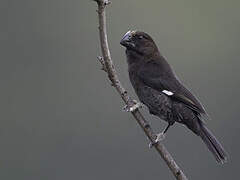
(135, 105)
(160, 137)
(150, 145)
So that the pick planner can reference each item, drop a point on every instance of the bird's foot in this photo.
(161, 136)
(134, 106)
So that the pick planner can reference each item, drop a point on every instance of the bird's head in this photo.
(139, 42)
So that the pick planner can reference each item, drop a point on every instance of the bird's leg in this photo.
(160, 136)
(133, 106)
(165, 130)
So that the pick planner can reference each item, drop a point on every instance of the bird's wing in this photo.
(167, 83)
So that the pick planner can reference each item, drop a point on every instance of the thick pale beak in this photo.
(127, 40)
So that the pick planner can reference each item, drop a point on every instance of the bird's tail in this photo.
(213, 144)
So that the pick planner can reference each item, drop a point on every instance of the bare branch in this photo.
(108, 66)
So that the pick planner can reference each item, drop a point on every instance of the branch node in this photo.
(101, 60)
(124, 93)
(146, 125)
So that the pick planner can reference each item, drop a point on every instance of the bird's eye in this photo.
(140, 37)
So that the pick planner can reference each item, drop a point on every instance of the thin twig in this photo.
(108, 66)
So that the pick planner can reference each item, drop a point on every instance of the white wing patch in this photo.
(169, 93)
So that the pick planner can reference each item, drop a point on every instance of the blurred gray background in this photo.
(61, 119)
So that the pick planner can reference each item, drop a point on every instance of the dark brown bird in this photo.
(158, 87)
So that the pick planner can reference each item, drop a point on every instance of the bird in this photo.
(158, 87)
